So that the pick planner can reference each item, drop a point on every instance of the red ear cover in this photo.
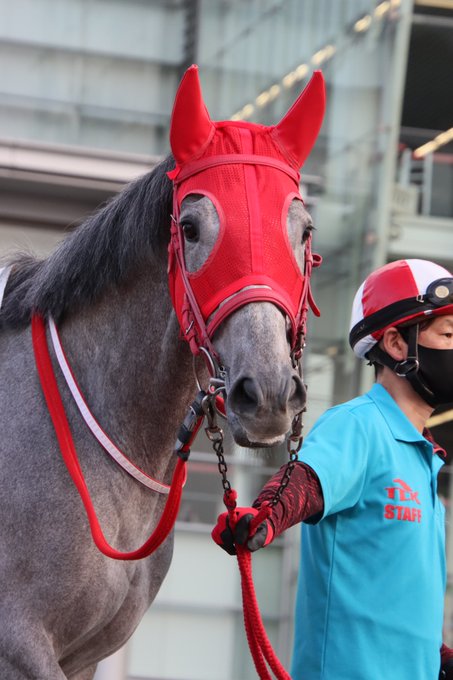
(191, 127)
(299, 128)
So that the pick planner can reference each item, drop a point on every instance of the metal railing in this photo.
(432, 176)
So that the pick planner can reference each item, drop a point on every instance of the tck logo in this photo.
(402, 493)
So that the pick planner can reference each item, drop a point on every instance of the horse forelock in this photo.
(131, 229)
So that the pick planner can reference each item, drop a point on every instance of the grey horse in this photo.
(63, 604)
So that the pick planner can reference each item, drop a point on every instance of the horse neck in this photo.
(133, 369)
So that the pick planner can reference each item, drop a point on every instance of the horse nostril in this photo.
(245, 395)
(298, 393)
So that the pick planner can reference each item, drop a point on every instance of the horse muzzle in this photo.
(261, 409)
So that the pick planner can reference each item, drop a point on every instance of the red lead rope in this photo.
(260, 646)
(259, 643)
(65, 440)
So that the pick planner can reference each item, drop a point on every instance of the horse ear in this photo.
(299, 128)
(191, 126)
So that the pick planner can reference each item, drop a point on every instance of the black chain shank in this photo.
(294, 443)
(223, 468)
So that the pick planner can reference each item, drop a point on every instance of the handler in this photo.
(373, 569)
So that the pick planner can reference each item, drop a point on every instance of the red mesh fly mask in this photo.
(251, 174)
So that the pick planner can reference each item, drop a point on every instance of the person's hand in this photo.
(226, 537)
(447, 670)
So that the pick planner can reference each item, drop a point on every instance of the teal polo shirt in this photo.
(372, 577)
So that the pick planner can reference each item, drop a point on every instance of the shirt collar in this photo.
(400, 426)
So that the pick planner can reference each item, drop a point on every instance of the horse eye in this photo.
(190, 231)
(307, 232)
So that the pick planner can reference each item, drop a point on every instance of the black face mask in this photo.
(429, 371)
(434, 379)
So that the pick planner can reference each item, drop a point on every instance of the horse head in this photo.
(240, 253)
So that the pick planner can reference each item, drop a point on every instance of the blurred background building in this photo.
(86, 91)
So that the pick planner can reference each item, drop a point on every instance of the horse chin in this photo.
(252, 440)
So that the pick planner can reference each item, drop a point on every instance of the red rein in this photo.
(68, 451)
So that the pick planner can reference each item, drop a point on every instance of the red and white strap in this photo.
(92, 423)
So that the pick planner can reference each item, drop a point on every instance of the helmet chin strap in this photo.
(408, 368)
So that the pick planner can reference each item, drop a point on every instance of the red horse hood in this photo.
(250, 173)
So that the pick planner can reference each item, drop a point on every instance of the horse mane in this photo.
(129, 229)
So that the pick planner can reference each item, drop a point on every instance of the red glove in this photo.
(226, 537)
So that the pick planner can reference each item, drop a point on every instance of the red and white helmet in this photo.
(398, 292)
